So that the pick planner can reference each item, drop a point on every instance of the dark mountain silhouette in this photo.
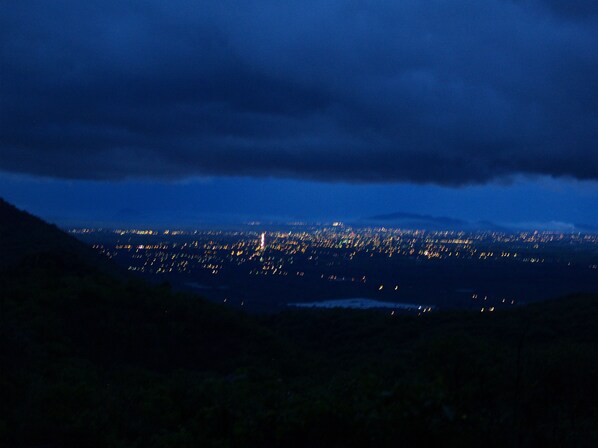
(416, 218)
(92, 360)
(416, 221)
(26, 237)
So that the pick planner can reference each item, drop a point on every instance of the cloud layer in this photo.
(442, 91)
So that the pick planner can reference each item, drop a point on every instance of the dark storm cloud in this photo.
(449, 92)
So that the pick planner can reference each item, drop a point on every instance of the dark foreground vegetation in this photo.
(89, 359)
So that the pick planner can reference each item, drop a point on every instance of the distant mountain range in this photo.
(428, 222)
(415, 221)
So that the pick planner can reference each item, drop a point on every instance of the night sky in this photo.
(178, 112)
